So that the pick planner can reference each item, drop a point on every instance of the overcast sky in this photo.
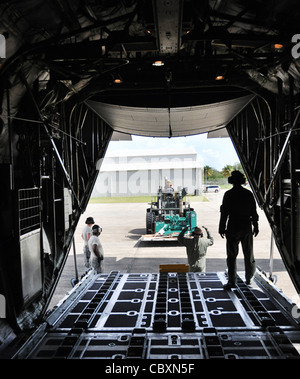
(213, 152)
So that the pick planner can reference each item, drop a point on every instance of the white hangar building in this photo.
(142, 172)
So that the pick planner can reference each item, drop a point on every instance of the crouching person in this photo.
(196, 248)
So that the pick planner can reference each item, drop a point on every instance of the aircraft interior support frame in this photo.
(53, 161)
(266, 137)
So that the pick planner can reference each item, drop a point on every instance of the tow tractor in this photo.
(168, 215)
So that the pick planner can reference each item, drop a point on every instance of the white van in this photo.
(211, 188)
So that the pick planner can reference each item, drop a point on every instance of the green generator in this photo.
(168, 215)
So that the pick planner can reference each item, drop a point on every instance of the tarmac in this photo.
(124, 223)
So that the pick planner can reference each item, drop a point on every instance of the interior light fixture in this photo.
(219, 77)
(117, 78)
(158, 63)
(278, 46)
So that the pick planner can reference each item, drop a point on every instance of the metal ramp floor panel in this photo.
(170, 316)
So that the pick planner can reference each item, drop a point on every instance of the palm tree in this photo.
(208, 172)
(227, 170)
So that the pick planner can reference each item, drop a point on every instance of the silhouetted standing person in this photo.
(238, 215)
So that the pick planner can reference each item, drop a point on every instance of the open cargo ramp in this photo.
(167, 315)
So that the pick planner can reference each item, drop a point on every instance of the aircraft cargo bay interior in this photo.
(76, 74)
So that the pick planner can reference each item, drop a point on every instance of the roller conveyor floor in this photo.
(167, 316)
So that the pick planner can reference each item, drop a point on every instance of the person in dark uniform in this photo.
(238, 217)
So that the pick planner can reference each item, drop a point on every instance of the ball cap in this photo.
(236, 178)
(198, 230)
(97, 228)
(90, 220)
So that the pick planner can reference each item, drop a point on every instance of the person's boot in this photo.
(228, 286)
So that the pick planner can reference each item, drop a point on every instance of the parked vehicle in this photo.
(211, 188)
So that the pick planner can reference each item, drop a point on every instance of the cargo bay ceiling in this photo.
(74, 72)
(171, 59)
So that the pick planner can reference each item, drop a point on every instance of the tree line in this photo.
(211, 173)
